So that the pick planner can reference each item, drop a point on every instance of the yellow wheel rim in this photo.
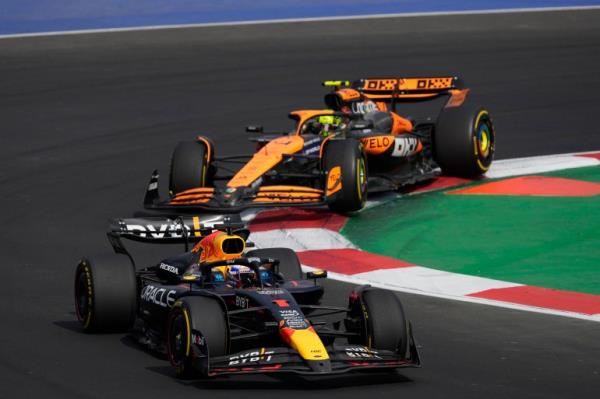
(361, 177)
(484, 143)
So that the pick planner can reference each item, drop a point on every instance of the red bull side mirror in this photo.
(316, 274)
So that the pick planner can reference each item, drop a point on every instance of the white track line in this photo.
(302, 239)
(482, 301)
(540, 164)
(427, 280)
(300, 20)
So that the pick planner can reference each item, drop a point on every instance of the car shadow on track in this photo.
(71, 325)
(272, 381)
(288, 381)
(131, 342)
(258, 381)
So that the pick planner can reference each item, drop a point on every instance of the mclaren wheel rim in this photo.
(483, 141)
(361, 178)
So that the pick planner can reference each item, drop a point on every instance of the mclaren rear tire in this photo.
(464, 141)
(196, 324)
(191, 166)
(346, 184)
(105, 293)
(289, 264)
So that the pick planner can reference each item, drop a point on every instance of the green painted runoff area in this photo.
(550, 242)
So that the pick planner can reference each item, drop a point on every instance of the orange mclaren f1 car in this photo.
(335, 156)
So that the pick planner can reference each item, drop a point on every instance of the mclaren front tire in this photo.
(191, 165)
(346, 181)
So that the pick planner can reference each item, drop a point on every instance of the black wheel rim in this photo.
(82, 298)
(177, 340)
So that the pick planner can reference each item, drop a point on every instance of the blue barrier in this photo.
(29, 16)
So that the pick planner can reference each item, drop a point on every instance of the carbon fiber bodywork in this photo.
(272, 324)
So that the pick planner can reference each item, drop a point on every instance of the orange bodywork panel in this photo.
(289, 189)
(288, 194)
(334, 180)
(208, 147)
(265, 159)
(407, 88)
(381, 105)
(400, 125)
(193, 196)
(376, 145)
(408, 84)
(304, 115)
(457, 98)
(416, 96)
(349, 94)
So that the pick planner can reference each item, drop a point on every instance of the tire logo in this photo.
(334, 180)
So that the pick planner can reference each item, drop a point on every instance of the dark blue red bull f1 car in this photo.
(219, 309)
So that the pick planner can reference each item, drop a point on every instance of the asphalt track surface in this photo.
(86, 118)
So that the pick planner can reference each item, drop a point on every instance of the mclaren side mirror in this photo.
(361, 125)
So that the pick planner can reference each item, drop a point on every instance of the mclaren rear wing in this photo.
(403, 88)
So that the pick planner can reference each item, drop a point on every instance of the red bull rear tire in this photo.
(105, 293)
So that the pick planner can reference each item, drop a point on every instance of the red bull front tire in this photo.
(197, 328)
(378, 317)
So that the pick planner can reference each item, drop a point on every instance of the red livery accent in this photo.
(595, 155)
(296, 219)
(439, 183)
(545, 298)
(282, 303)
(535, 185)
(349, 261)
